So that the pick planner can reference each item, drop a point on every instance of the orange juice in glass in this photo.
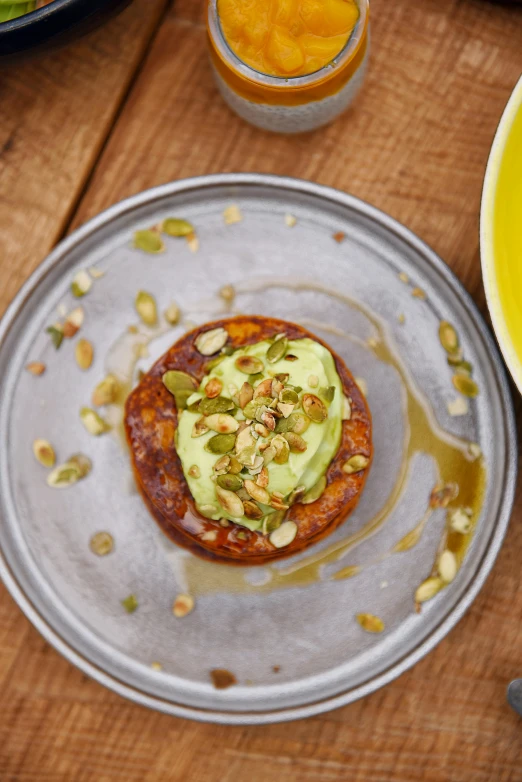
(289, 65)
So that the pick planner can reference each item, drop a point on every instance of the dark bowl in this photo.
(53, 25)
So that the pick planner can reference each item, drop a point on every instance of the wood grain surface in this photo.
(134, 105)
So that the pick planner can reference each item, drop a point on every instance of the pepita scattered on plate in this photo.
(81, 284)
(149, 242)
(370, 623)
(146, 308)
(44, 453)
(101, 544)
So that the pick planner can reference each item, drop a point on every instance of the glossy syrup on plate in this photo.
(457, 462)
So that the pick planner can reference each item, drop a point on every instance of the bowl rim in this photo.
(487, 251)
(39, 15)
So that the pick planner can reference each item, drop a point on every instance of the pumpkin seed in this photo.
(418, 293)
(313, 494)
(257, 493)
(96, 273)
(209, 342)
(454, 359)
(278, 504)
(281, 447)
(63, 476)
(172, 314)
(230, 482)
(286, 410)
(182, 606)
(82, 463)
(44, 453)
(261, 430)
(288, 397)
(149, 242)
(269, 455)
(146, 308)
(174, 226)
(36, 368)
(297, 495)
(213, 388)
(252, 511)
(235, 466)
(194, 471)
(448, 337)
(282, 377)
(101, 544)
(273, 521)
(180, 385)
(93, 422)
(252, 408)
(264, 388)
(84, 353)
(263, 477)
(230, 502)
(244, 439)
(315, 408)
(56, 333)
(447, 566)
(283, 535)
(296, 442)
(246, 455)
(291, 357)
(428, 589)
(200, 428)
(356, 463)
(130, 603)
(106, 392)
(268, 420)
(464, 368)
(370, 623)
(246, 394)
(81, 284)
(328, 393)
(465, 385)
(221, 422)
(207, 510)
(249, 365)
(221, 443)
(219, 404)
(222, 465)
(193, 242)
(277, 350)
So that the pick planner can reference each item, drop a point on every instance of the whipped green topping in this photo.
(261, 454)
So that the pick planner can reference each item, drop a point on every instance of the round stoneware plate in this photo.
(291, 639)
(501, 234)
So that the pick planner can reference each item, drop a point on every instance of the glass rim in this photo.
(286, 82)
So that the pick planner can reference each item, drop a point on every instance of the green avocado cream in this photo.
(275, 441)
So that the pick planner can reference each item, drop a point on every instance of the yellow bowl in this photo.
(501, 234)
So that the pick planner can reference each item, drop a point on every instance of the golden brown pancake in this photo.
(151, 421)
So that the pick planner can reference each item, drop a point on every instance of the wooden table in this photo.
(133, 106)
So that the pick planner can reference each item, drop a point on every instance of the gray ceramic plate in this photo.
(288, 633)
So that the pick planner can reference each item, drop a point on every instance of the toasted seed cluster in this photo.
(463, 370)
(261, 422)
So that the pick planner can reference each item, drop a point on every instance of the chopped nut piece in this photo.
(230, 502)
(200, 427)
(36, 368)
(313, 381)
(222, 679)
(172, 314)
(418, 293)
(101, 544)
(81, 284)
(263, 478)
(447, 566)
(232, 214)
(347, 408)
(56, 333)
(209, 342)
(182, 606)
(156, 666)
(130, 603)
(93, 422)
(339, 237)
(228, 293)
(283, 535)
(96, 273)
(63, 476)
(194, 471)
(193, 243)
(210, 536)
(370, 623)
(443, 494)
(82, 463)
(258, 493)
(460, 521)
(146, 308)
(474, 450)
(459, 406)
(73, 322)
(44, 453)
(403, 277)
(149, 242)
(84, 353)
(290, 220)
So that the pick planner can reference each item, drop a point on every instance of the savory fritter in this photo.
(250, 440)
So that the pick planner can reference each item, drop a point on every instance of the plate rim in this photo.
(487, 252)
(484, 567)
